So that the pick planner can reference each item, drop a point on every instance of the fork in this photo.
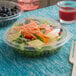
(72, 57)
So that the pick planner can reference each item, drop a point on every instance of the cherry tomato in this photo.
(28, 37)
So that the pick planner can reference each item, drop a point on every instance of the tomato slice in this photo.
(28, 37)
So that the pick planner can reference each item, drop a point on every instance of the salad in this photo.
(34, 33)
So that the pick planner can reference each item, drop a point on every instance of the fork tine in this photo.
(71, 52)
(75, 50)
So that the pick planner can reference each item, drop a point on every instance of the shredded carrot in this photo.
(42, 37)
(33, 28)
(44, 25)
(47, 31)
(46, 36)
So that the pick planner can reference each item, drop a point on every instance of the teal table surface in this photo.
(12, 64)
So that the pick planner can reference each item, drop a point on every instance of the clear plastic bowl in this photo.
(9, 19)
(45, 50)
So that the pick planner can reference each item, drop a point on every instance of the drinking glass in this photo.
(67, 11)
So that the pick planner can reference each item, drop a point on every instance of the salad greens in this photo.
(34, 34)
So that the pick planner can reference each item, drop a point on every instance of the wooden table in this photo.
(12, 64)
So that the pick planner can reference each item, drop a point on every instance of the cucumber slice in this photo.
(53, 35)
(13, 35)
(36, 43)
(22, 46)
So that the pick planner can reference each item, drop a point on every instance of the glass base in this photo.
(67, 22)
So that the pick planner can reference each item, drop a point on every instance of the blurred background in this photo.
(28, 5)
(43, 3)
